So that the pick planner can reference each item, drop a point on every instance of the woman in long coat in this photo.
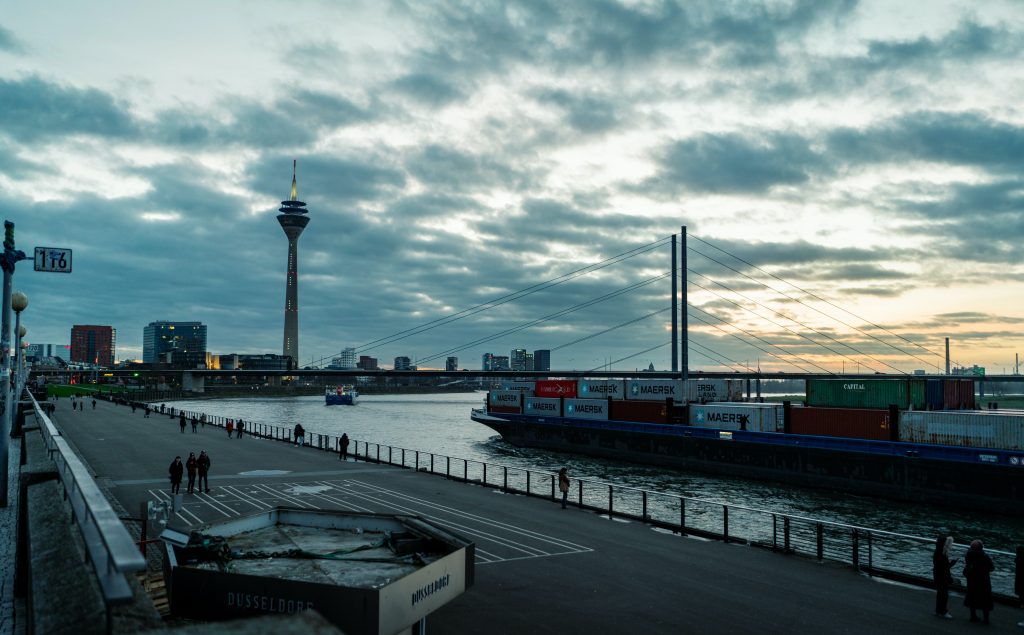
(977, 567)
(941, 564)
(176, 470)
(191, 465)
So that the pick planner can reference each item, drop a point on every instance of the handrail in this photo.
(109, 546)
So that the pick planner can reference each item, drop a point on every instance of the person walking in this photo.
(202, 419)
(191, 465)
(94, 403)
(181, 422)
(563, 484)
(195, 425)
(203, 465)
(162, 408)
(941, 576)
(240, 428)
(176, 470)
(230, 425)
(343, 447)
(300, 434)
(147, 411)
(133, 407)
(977, 567)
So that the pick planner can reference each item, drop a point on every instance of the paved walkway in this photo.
(540, 569)
(10, 621)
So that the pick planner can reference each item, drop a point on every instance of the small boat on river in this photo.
(341, 396)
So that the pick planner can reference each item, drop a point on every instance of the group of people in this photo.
(194, 467)
(78, 402)
(977, 571)
(235, 428)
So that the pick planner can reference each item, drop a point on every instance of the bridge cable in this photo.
(757, 338)
(617, 326)
(622, 359)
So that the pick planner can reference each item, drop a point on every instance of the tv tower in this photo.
(293, 220)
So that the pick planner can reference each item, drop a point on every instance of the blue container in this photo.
(934, 397)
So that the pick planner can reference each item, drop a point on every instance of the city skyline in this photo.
(456, 153)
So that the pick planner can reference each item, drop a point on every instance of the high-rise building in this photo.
(403, 363)
(452, 363)
(542, 360)
(293, 220)
(92, 344)
(487, 361)
(367, 363)
(517, 359)
(528, 365)
(499, 362)
(345, 361)
(180, 343)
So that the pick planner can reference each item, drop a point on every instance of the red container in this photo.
(504, 409)
(639, 411)
(958, 394)
(853, 423)
(555, 388)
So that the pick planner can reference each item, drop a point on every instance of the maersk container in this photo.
(598, 388)
(906, 394)
(555, 388)
(542, 406)
(970, 428)
(737, 416)
(654, 389)
(639, 411)
(505, 398)
(854, 423)
(525, 387)
(705, 390)
(586, 409)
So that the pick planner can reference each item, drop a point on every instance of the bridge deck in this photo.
(540, 569)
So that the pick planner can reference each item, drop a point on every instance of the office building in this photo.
(517, 359)
(345, 361)
(487, 361)
(452, 363)
(367, 363)
(542, 360)
(403, 363)
(181, 344)
(92, 344)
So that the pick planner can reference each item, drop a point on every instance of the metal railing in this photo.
(109, 547)
(876, 552)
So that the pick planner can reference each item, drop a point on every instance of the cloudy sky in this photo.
(849, 173)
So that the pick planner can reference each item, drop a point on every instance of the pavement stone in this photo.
(11, 609)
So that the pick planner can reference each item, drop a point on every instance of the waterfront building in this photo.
(542, 359)
(93, 344)
(293, 220)
(403, 363)
(487, 361)
(528, 365)
(499, 362)
(367, 363)
(452, 363)
(517, 359)
(345, 361)
(179, 343)
(265, 361)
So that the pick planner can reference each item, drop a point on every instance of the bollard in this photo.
(448, 467)
(527, 481)
(465, 470)
(552, 487)
(785, 534)
(644, 511)
(611, 498)
(504, 487)
(580, 482)
(725, 523)
(820, 530)
(856, 550)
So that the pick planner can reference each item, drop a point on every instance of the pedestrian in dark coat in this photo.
(133, 407)
(563, 484)
(195, 425)
(181, 422)
(240, 428)
(94, 403)
(941, 576)
(162, 408)
(147, 410)
(300, 434)
(191, 465)
(977, 567)
(343, 447)
(203, 465)
(176, 470)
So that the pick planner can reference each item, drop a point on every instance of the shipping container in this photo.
(905, 394)
(935, 394)
(522, 386)
(969, 428)
(639, 411)
(586, 408)
(958, 394)
(654, 389)
(542, 406)
(738, 416)
(598, 388)
(504, 409)
(854, 423)
(705, 390)
(555, 388)
(505, 398)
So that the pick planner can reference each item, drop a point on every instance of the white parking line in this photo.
(290, 499)
(160, 495)
(246, 498)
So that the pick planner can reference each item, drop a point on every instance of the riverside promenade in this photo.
(540, 569)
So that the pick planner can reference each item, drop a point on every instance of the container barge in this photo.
(921, 440)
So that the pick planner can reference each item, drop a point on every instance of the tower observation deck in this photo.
(293, 220)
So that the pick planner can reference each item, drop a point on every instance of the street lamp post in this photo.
(8, 259)
(19, 363)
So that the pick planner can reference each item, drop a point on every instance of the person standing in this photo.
(147, 411)
(195, 425)
(94, 403)
(230, 425)
(240, 428)
(176, 470)
(300, 434)
(191, 465)
(133, 407)
(563, 484)
(181, 422)
(203, 465)
(162, 408)
(977, 567)
(343, 447)
(941, 565)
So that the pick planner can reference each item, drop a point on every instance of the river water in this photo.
(440, 423)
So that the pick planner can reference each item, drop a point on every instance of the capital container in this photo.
(555, 388)
(970, 428)
(738, 416)
(585, 408)
(654, 389)
(853, 423)
(639, 411)
(542, 406)
(598, 388)
(906, 394)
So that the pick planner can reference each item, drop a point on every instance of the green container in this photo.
(906, 394)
